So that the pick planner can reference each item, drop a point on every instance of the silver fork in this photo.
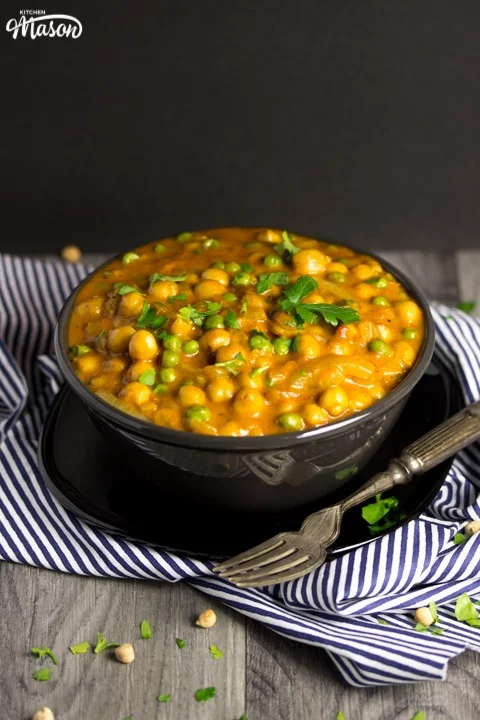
(290, 555)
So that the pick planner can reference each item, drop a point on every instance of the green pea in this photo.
(80, 350)
(381, 301)
(183, 237)
(186, 381)
(160, 248)
(198, 412)
(170, 358)
(409, 334)
(219, 265)
(130, 257)
(232, 267)
(380, 347)
(167, 375)
(160, 389)
(273, 261)
(290, 421)
(253, 245)
(214, 321)
(242, 279)
(344, 261)
(258, 342)
(172, 342)
(230, 297)
(378, 282)
(190, 347)
(336, 277)
(210, 244)
(281, 346)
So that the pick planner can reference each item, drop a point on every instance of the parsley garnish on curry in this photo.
(240, 332)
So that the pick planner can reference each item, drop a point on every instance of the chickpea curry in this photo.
(238, 332)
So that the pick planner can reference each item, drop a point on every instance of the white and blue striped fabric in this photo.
(337, 607)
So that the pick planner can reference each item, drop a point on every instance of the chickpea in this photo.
(248, 403)
(163, 289)
(209, 289)
(362, 271)
(142, 345)
(337, 267)
(334, 400)
(314, 415)
(340, 347)
(215, 339)
(90, 309)
(138, 368)
(309, 346)
(404, 352)
(221, 389)
(359, 398)
(329, 376)
(190, 395)
(231, 429)
(114, 365)
(269, 236)
(377, 392)
(71, 254)
(136, 393)
(169, 416)
(118, 339)
(245, 380)
(125, 653)
(206, 619)
(220, 276)
(408, 313)
(472, 528)
(365, 291)
(181, 327)
(44, 714)
(424, 616)
(131, 305)
(226, 353)
(89, 364)
(310, 262)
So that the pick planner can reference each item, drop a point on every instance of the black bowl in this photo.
(269, 473)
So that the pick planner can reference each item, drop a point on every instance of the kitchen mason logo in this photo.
(36, 24)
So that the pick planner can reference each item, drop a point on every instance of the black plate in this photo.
(108, 486)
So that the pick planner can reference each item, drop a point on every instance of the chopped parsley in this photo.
(346, 472)
(79, 649)
(145, 630)
(232, 366)
(267, 280)
(103, 644)
(149, 320)
(465, 611)
(44, 652)
(309, 312)
(381, 621)
(459, 539)
(340, 716)
(259, 370)
(467, 306)
(123, 289)
(246, 267)
(243, 307)
(80, 350)
(148, 377)
(156, 277)
(382, 514)
(180, 643)
(231, 320)
(204, 694)
(42, 675)
(163, 698)
(174, 298)
(296, 343)
(420, 715)
(197, 316)
(286, 249)
(215, 652)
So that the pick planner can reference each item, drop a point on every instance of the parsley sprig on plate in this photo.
(310, 312)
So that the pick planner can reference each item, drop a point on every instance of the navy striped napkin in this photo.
(337, 607)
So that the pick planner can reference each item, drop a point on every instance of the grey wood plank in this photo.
(435, 273)
(39, 607)
(289, 681)
(468, 264)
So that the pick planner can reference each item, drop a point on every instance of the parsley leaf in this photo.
(174, 298)
(296, 343)
(180, 643)
(80, 350)
(215, 652)
(308, 312)
(163, 698)
(149, 320)
(340, 716)
(259, 370)
(243, 307)
(465, 611)
(103, 644)
(42, 675)
(266, 280)
(197, 316)
(243, 717)
(171, 278)
(79, 649)
(123, 289)
(384, 513)
(44, 651)
(204, 694)
(381, 621)
(286, 249)
(232, 365)
(148, 377)
(300, 289)
(459, 539)
(433, 609)
(145, 630)
(231, 320)
(468, 306)
(246, 267)
(420, 715)
(346, 472)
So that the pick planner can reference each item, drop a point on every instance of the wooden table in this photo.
(262, 675)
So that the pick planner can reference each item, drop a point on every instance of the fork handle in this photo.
(424, 454)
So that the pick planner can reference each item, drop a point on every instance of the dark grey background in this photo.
(352, 120)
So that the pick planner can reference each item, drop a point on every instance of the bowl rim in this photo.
(279, 441)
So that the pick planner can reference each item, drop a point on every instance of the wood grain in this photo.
(468, 266)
